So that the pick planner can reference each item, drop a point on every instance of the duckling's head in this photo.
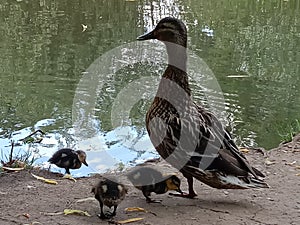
(173, 184)
(168, 29)
(82, 157)
(109, 192)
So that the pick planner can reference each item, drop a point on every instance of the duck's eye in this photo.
(164, 26)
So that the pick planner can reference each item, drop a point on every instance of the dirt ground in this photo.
(25, 200)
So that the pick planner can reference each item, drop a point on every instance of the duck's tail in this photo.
(230, 181)
(225, 181)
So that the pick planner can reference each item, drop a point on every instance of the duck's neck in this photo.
(177, 66)
(177, 55)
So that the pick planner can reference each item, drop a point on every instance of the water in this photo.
(252, 48)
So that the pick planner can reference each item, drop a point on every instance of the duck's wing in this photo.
(228, 159)
(197, 139)
(64, 156)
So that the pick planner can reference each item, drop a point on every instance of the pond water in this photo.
(70, 82)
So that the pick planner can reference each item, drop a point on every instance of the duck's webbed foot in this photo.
(184, 195)
(191, 193)
(149, 200)
(107, 215)
(69, 176)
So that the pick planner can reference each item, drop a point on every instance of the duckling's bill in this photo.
(85, 163)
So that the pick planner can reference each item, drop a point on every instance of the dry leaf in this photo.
(12, 169)
(291, 163)
(244, 150)
(51, 214)
(86, 199)
(30, 187)
(26, 215)
(268, 162)
(298, 174)
(32, 223)
(135, 209)
(138, 209)
(130, 220)
(76, 211)
(48, 181)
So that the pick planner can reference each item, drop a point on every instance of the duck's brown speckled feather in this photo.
(181, 130)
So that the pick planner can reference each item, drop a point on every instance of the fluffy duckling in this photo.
(68, 159)
(149, 180)
(109, 193)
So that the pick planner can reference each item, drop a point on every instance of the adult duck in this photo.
(185, 134)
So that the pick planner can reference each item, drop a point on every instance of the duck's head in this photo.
(173, 184)
(168, 29)
(82, 157)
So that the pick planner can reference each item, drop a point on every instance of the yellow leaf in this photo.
(48, 181)
(268, 162)
(244, 150)
(12, 169)
(130, 220)
(51, 214)
(76, 211)
(86, 199)
(135, 209)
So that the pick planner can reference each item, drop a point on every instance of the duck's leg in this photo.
(107, 215)
(68, 175)
(115, 209)
(148, 199)
(101, 215)
(191, 193)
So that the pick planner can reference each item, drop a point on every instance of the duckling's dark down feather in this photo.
(109, 193)
(67, 158)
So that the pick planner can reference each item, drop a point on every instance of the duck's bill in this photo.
(180, 191)
(85, 163)
(146, 36)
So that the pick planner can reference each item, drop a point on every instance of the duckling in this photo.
(149, 180)
(109, 193)
(184, 133)
(68, 159)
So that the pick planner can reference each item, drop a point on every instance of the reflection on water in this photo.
(252, 47)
